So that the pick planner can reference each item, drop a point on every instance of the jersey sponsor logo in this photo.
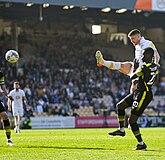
(135, 104)
(17, 97)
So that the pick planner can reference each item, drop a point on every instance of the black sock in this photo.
(7, 128)
(121, 114)
(121, 123)
(136, 131)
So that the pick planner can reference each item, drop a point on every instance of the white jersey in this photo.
(18, 98)
(139, 48)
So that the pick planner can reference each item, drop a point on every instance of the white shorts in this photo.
(17, 112)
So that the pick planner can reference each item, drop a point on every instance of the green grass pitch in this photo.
(82, 144)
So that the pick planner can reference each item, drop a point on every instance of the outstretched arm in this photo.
(25, 101)
(4, 91)
(9, 104)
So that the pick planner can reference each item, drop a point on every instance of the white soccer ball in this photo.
(12, 56)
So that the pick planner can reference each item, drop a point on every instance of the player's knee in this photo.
(120, 111)
(6, 122)
(119, 106)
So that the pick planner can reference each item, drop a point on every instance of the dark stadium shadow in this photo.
(57, 147)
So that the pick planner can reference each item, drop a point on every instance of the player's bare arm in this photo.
(157, 57)
(9, 104)
(123, 67)
(5, 92)
(25, 102)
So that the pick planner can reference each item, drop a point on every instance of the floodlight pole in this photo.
(41, 15)
(14, 33)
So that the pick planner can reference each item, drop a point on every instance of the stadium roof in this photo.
(20, 10)
(148, 5)
(114, 4)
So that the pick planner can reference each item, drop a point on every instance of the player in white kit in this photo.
(129, 68)
(17, 105)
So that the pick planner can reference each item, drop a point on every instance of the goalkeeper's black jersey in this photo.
(147, 74)
(1, 78)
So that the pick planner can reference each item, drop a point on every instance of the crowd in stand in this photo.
(60, 75)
